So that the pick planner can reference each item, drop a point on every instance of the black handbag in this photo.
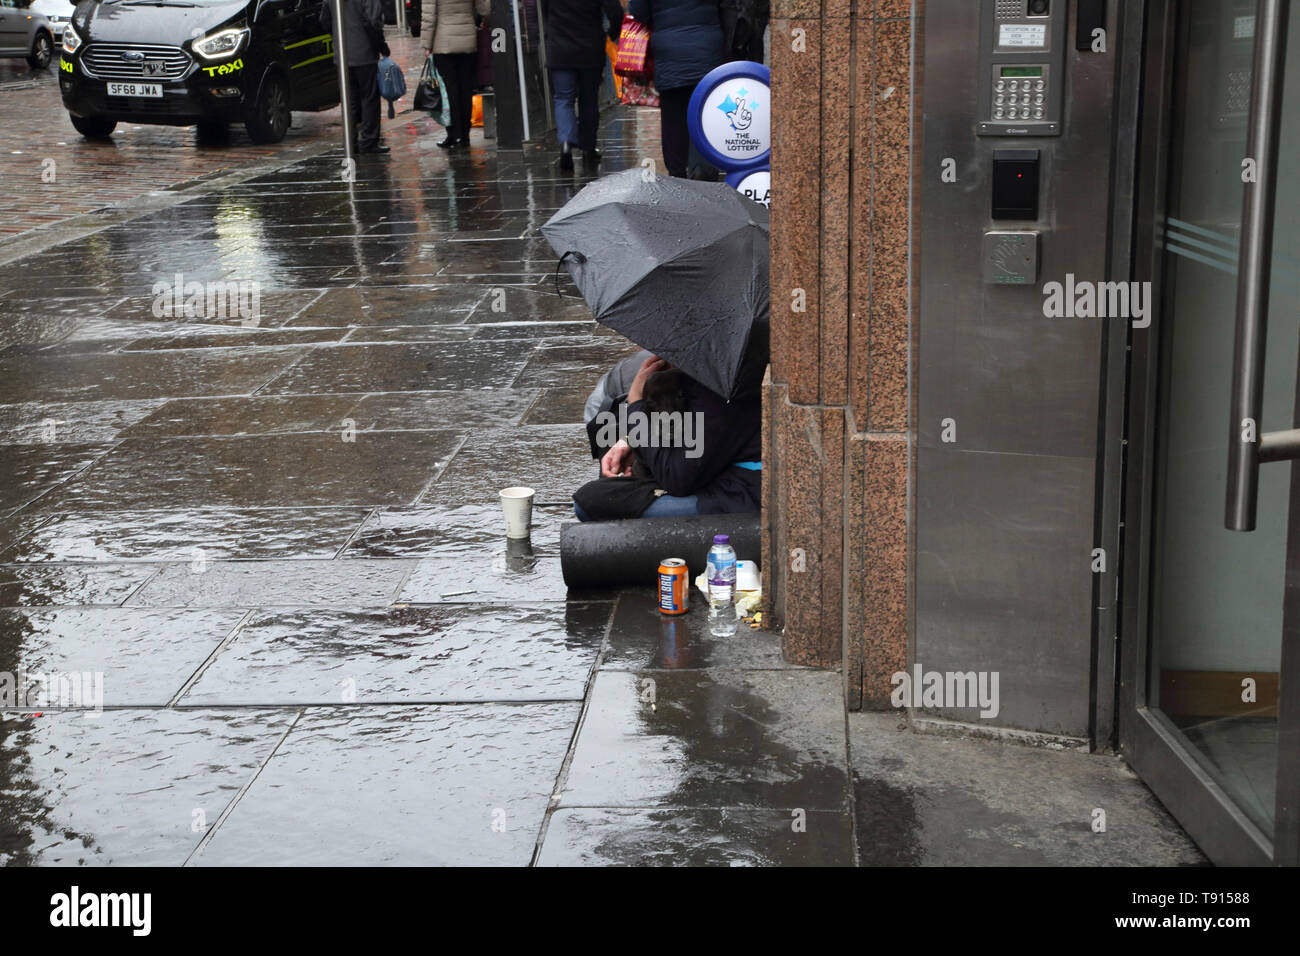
(427, 95)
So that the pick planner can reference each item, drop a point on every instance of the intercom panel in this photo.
(1021, 78)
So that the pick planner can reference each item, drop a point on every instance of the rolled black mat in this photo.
(620, 553)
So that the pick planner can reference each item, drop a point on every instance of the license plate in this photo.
(135, 89)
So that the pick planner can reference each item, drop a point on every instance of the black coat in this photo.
(732, 433)
(575, 33)
(685, 38)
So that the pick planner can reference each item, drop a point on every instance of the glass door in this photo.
(1209, 573)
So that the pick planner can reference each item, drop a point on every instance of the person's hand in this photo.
(617, 462)
(426, 51)
(648, 367)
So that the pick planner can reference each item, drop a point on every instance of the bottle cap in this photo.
(722, 539)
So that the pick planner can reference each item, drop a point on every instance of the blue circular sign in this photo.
(755, 183)
(730, 116)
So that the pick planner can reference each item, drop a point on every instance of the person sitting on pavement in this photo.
(709, 465)
(363, 32)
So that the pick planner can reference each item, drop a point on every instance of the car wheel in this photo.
(42, 51)
(269, 119)
(93, 127)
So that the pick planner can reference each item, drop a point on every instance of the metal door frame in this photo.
(1148, 739)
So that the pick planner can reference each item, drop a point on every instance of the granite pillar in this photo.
(837, 424)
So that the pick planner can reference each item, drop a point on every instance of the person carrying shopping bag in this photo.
(575, 56)
(687, 42)
(450, 34)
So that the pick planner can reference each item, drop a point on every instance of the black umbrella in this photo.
(677, 266)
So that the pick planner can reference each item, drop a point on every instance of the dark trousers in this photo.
(363, 91)
(458, 72)
(673, 132)
(582, 86)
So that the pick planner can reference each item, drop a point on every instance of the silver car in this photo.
(25, 32)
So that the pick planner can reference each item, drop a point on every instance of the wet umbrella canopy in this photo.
(679, 267)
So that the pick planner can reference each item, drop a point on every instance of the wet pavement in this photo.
(56, 176)
(265, 541)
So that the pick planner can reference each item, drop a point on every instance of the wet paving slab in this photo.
(407, 655)
(141, 375)
(191, 535)
(29, 471)
(469, 409)
(697, 837)
(457, 532)
(255, 471)
(480, 470)
(392, 305)
(42, 423)
(558, 406)
(49, 585)
(555, 366)
(256, 415)
(717, 738)
(125, 787)
(143, 657)
(402, 367)
(350, 583)
(465, 785)
(931, 799)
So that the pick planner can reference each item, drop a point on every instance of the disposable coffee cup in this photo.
(518, 505)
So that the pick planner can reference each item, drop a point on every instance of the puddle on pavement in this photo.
(196, 535)
(409, 785)
(406, 655)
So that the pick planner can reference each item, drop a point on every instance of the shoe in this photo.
(566, 158)
(591, 157)
(376, 148)
(451, 142)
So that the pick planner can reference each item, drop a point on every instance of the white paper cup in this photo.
(518, 505)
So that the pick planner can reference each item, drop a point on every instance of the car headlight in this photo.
(71, 39)
(222, 44)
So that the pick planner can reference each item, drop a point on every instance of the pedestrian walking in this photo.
(686, 40)
(450, 34)
(363, 34)
(575, 55)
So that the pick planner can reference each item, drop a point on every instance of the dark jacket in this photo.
(685, 38)
(732, 433)
(743, 23)
(363, 29)
(575, 34)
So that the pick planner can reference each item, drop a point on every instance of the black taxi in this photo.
(196, 62)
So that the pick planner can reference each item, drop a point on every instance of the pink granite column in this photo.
(837, 409)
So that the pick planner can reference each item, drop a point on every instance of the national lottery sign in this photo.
(730, 116)
(754, 183)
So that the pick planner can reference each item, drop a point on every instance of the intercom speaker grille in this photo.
(1011, 9)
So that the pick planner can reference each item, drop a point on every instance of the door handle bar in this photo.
(1245, 453)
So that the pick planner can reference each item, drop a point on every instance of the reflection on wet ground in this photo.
(256, 602)
(271, 528)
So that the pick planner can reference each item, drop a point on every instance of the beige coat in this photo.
(449, 25)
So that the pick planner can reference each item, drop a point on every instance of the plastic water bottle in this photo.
(721, 576)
